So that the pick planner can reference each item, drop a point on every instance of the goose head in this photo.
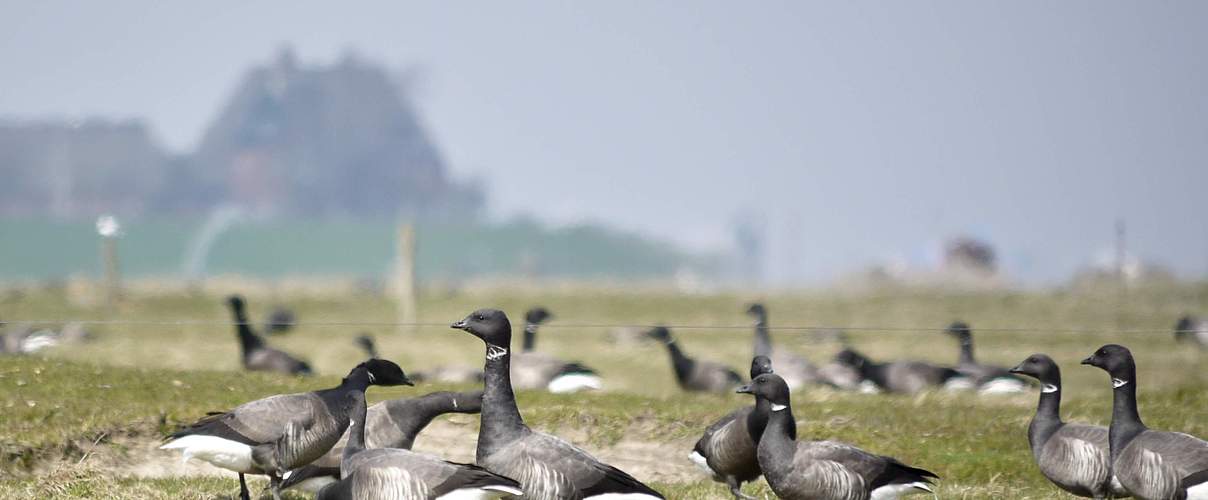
(537, 315)
(760, 365)
(959, 329)
(769, 387)
(490, 325)
(1184, 328)
(660, 333)
(383, 372)
(1114, 359)
(1040, 367)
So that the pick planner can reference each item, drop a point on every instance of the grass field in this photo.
(82, 420)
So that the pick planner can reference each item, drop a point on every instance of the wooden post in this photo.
(107, 227)
(405, 267)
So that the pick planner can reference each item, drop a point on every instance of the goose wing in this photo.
(396, 473)
(548, 467)
(1186, 456)
(710, 376)
(874, 471)
(727, 446)
(256, 422)
(1076, 459)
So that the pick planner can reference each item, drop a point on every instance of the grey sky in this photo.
(863, 131)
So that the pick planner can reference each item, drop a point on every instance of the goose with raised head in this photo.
(547, 467)
(1190, 329)
(537, 370)
(256, 355)
(989, 379)
(1072, 456)
(392, 423)
(823, 470)
(396, 473)
(366, 343)
(727, 449)
(1151, 464)
(278, 433)
(696, 374)
(794, 369)
(902, 377)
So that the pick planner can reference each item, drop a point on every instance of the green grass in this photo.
(69, 417)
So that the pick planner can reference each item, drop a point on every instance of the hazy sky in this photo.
(863, 131)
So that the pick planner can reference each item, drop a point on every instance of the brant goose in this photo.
(795, 370)
(693, 374)
(256, 355)
(727, 449)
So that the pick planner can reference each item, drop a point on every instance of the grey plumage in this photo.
(823, 470)
(256, 355)
(547, 467)
(1073, 456)
(390, 424)
(537, 370)
(696, 374)
(986, 377)
(1151, 464)
(904, 377)
(794, 369)
(727, 448)
(399, 474)
(279, 433)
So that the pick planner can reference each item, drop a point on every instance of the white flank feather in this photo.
(224, 453)
(484, 493)
(893, 491)
(574, 382)
(622, 496)
(1198, 492)
(701, 462)
(1003, 386)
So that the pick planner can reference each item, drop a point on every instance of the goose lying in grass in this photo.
(989, 379)
(1151, 464)
(727, 449)
(256, 355)
(902, 377)
(278, 433)
(537, 370)
(546, 467)
(694, 374)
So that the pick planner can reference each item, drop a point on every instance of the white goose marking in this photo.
(1118, 383)
(1049, 388)
(776, 407)
(495, 352)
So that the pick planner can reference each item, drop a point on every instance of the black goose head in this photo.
(756, 310)
(1116, 360)
(660, 333)
(1184, 327)
(760, 365)
(490, 325)
(537, 315)
(236, 303)
(770, 387)
(366, 342)
(959, 329)
(384, 373)
(850, 357)
(1040, 367)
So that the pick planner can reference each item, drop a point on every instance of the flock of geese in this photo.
(330, 443)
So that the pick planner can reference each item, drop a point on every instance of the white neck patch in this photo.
(776, 407)
(1049, 388)
(1118, 383)
(495, 352)
(372, 379)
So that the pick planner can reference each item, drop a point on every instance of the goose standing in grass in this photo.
(902, 377)
(1073, 456)
(366, 343)
(727, 449)
(794, 369)
(389, 424)
(535, 370)
(694, 374)
(989, 379)
(823, 470)
(1152, 465)
(1190, 329)
(278, 433)
(256, 355)
(395, 473)
(547, 467)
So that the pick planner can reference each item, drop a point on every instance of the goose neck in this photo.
(501, 421)
(1126, 420)
(356, 429)
(763, 337)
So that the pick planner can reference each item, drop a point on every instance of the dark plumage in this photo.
(1190, 329)
(794, 369)
(395, 473)
(694, 374)
(546, 466)
(257, 356)
(823, 470)
(1152, 465)
(279, 321)
(390, 424)
(1072, 456)
(278, 433)
(989, 379)
(904, 377)
(727, 449)
(366, 343)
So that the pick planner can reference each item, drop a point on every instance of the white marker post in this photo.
(108, 227)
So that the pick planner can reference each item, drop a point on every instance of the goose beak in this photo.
(1018, 369)
(460, 325)
(746, 389)
(407, 381)
(1089, 361)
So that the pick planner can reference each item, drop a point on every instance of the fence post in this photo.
(405, 269)
(107, 227)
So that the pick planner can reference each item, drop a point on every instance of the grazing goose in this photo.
(256, 355)
(795, 370)
(990, 379)
(278, 433)
(1151, 464)
(395, 473)
(823, 470)
(694, 374)
(535, 370)
(389, 424)
(1072, 456)
(903, 377)
(366, 343)
(1190, 329)
(547, 467)
(727, 450)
